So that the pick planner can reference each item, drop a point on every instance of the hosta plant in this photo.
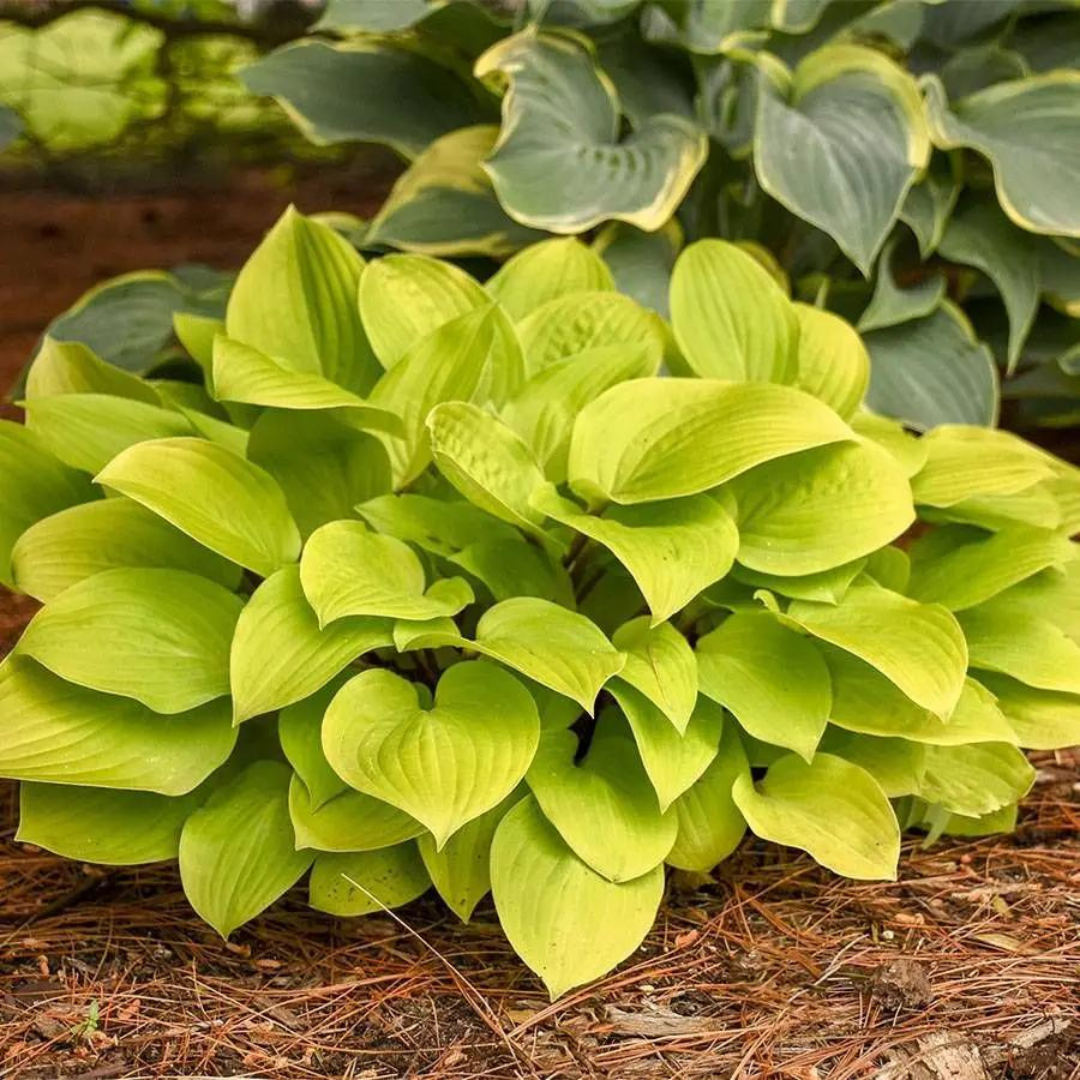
(515, 587)
(911, 165)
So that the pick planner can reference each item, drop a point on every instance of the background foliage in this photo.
(907, 164)
(140, 81)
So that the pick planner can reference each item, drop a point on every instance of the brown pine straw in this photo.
(774, 968)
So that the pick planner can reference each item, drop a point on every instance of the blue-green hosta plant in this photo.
(428, 584)
(912, 165)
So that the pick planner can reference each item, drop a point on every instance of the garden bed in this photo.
(966, 968)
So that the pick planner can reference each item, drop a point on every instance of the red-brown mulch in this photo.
(967, 968)
(58, 244)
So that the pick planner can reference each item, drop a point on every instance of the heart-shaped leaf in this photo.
(236, 852)
(1040, 719)
(661, 665)
(213, 495)
(975, 572)
(86, 431)
(486, 461)
(363, 882)
(560, 649)
(710, 824)
(158, 636)
(980, 235)
(96, 825)
(865, 701)
(559, 164)
(977, 778)
(294, 302)
(731, 319)
(828, 586)
(932, 371)
(196, 333)
(673, 759)
(328, 89)
(549, 901)
(543, 413)
(447, 365)
(833, 363)
(898, 765)
(893, 305)
(404, 299)
(654, 439)
(243, 374)
(71, 367)
(828, 807)
(461, 870)
(965, 462)
(845, 104)
(83, 540)
(300, 732)
(546, 271)
(445, 765)
(930, 203)
(919, 647)
(1027, 128)
(1028, 648)
(444, 204)
(674, 548)
(579, 322)
(510, 568)
(435, 526)
(350, 821)
(346, 570)
(60, 733)
(1052, 594)
(280, 654)
(324, 467)
(605, 807)
(642, 262)
(773, 680)
(811, 512)
(33, 485)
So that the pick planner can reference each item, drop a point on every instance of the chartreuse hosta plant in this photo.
(911, 164)
(428, 584)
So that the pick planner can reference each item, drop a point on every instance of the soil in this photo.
(56, 245)
(966, 968)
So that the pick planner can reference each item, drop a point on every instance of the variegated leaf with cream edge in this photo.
(842, 144)
(559, 163)
(1028, 130)
(444, 204)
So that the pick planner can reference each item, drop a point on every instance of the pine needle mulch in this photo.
(968, 968)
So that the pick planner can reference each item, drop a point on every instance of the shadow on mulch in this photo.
(966, 969)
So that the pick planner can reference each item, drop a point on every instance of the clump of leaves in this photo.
(910, 165)
(426, 583)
